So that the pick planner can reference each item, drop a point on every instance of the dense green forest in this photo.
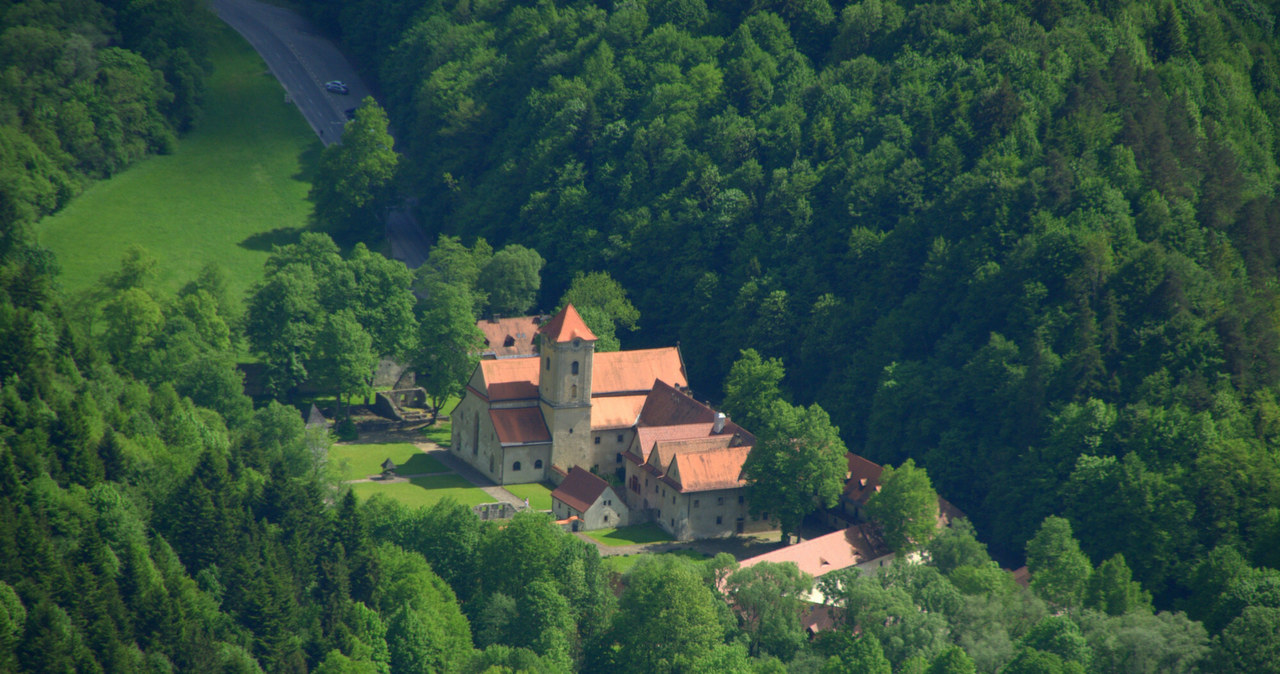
(88, 87)
(1031, 245)
(1028, 246)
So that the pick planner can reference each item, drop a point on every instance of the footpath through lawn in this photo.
(234, 186)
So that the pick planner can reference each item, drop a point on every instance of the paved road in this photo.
(303, 60)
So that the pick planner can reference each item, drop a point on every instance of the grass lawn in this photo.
(644, 533)
(621, 564)
(440, 433)
(539, 494)
(234, 186)
(361, 461)
(426, 491)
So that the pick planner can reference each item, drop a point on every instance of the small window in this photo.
(573, 393)
(617, 458)
(606, 519)
(695, 502)
(673, 499)
(741, 499)
(619, 437)
(515, 466)
(717, 519)
(673, 525)
(537, 464)
(574, 368)
(597, 439)
(547, 363)
(719, 500)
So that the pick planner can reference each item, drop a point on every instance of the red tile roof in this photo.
(617, 372)
(519, 426)
(580, 489)
(507, 337)
(614, 373)
(709, 470)
(824, 554)
(664, 451)
(567, 325)
(667, 406)
(864, 478)
(511, 378)
(615, 411)
(648, 436)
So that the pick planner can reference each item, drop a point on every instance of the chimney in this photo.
(719, 424)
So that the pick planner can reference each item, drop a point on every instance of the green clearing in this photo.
(644, 533)
(621, 564)
(425, 491)
(360, 461)
(233, 187)
(539, 494)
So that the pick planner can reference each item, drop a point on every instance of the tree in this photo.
(768, 599)
(344, 358)
(956, 546)
(1140, 641)
(281, 323)
(451, 264)
(797, 465)
(1059, 570)
(751, 389)
(906, 506)
(666, 618)
(1250, 643)
(511, 278)
(952, 661)
(353, 186)
(448, 342)
(1112, 590)
(862, 654)
(603, 305)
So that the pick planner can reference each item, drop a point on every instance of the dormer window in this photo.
(509, 341)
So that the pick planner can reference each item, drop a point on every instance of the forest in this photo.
(1029, 247)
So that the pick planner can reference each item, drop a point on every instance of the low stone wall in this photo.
(494, 511)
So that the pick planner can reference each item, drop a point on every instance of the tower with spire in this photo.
(564, 386)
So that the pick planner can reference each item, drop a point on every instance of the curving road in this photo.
(303, 60)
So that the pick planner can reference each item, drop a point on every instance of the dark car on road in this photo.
(336, 87)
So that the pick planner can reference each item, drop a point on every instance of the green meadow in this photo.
(425, 491)
(360, 461)
(234, 186)
(539, 494)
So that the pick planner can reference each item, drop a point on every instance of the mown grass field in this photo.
(539, 494)
(425, 491)
(234, 186)
(362, 460)
(621, 564)
(644, 533)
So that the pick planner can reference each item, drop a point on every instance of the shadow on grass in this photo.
(267, 241)
(309, 163)
(421, 463)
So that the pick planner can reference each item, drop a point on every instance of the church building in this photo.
(533, 418)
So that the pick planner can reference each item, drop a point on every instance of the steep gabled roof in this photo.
(608, 412)
(565, 326)
(621, 372)
(511, 378)
(648, 436)
(519, 426)
(709, 469)
(864, 478)
(667, 406)
(580, 489)
(509, 337)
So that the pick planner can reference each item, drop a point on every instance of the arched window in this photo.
(515, 466)
(573, 393)
(574, 367)
(537, 464)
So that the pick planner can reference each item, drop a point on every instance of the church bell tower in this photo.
(564, 386)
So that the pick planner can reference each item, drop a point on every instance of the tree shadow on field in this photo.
(309, 163)
(267, 241)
